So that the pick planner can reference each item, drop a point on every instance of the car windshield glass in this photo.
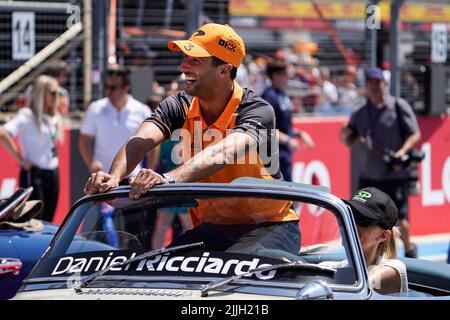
(240, 233)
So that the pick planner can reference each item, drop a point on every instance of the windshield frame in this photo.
(281, 191)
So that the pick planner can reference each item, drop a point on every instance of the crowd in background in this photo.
(312, 88)
(315, 89)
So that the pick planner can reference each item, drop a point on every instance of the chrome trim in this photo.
(10, 265)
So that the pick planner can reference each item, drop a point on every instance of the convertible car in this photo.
(86, 260)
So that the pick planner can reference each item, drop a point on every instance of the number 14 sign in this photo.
(23, 35)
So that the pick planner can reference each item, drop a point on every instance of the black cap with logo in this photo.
(372, 206)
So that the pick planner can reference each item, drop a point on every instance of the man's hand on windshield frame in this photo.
(144, 181)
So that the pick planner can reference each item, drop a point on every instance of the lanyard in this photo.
(52, 130)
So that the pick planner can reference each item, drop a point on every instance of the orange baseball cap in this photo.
(212, 39)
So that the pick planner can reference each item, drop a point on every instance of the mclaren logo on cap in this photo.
(200, 33)
(188, 46)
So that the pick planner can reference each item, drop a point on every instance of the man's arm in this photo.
(153, 158)
(288, 141)
(215, 157)
(348, 136)
(130, 154)
(305, 138)
(86, 147)
(409, 143)
(203, 164)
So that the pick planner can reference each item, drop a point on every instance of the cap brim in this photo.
(189, 48)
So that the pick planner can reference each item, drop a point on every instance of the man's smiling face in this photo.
(200, 75)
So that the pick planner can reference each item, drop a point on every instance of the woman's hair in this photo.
(36, 103)
(388, 249)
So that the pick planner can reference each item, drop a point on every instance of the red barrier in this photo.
(430, 210)
(329, 163)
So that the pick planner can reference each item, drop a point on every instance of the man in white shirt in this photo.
(109, 122)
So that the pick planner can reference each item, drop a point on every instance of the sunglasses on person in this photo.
(53, 93)
(111, 87)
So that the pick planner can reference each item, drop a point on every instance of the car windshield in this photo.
(103, 232)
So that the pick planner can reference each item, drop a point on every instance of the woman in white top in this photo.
(37, 128)
(375, 215)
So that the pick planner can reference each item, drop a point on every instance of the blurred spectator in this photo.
(157, 89)
(60, 70)
(384, 126)
(108, 124)
(329, 94)
(37, 128)
(349, 97)
(410, 88)
(176, 86)
(110, 121)
(305, 52)
(257, 74)
(310, 98)
(277, 97)
(386, 67)
(138, 53)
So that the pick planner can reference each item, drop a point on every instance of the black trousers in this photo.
(45, 185)
(248, 239)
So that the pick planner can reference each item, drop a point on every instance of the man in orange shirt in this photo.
(225, 130)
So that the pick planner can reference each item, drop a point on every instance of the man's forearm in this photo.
(283, 138)
(411, 142)
(214, 158)
(134, 150)
(86, 146)
(86, 154)
(348, 136)
(128, 157)
(198, 168)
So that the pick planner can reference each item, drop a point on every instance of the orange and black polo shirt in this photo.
(245, 112)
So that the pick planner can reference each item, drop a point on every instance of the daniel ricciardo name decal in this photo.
(195, 264)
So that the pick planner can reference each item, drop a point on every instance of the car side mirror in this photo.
(10, 265)
(315, 290)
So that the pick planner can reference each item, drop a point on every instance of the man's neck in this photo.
(378, 103)
(120, 103)
(214, 103)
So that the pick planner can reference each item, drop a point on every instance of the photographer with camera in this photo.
(387, 129)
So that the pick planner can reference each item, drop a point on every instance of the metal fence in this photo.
(50, 22)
